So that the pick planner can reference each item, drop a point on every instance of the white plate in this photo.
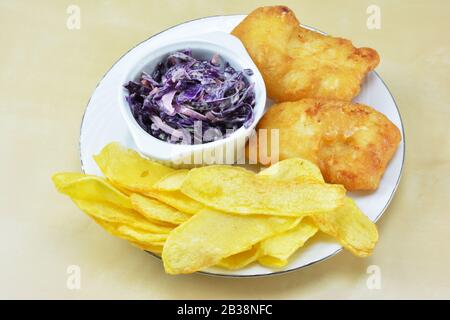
(103, 123)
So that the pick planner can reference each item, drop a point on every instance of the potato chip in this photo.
(347, 223)
(291, 169)
(154, 209)
(172, 181)
(177, 200)
(111, 228)
(210, 236)
(239, 217)
(126, 168)
(241, 191)
(352, 228)
(275, 251)
(272, 262)
(120, 188)
(241, 259)
(141, 236)
(88, 187)
(121, 216)
(108, 226)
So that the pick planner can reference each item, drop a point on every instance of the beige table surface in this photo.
(48, 73)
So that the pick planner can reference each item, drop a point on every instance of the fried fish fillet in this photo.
(297, 63)
(351, 143)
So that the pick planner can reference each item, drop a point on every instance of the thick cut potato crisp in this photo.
(141, 236)
(172, 181)
(275, 251)
(292, 169)
(111, 209)
(350, 227)
(116, 215)
(347, 223)
(210, 236)
(127, 169)
(241, 191)
(154, 209)
(113, 229)
(177, 200)
(88, 187)
(240, 260)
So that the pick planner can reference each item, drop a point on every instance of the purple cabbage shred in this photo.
(184, 93)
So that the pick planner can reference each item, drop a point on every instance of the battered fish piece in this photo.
(297, 63)
(351, 143)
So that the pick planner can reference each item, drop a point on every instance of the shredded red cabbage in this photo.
(184, 93)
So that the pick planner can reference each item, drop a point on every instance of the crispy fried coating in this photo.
(297, 63)
(351, 143)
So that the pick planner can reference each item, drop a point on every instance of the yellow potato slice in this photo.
(241, 259)
(172, 181)
(88, 187)
(141, 236)
(177, 200)
(352, 228)
(127, 169)
(292, 169)
(154, 209)
(120, 216)
(238, 191)
(347, 223)
(111, 228)
(275, 251)
(272, 262)
(210, 236)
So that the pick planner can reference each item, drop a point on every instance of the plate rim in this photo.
(276, 273)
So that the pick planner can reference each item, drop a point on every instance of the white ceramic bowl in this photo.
(204, 46)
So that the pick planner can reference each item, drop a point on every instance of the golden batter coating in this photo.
(351, 143)
(297, 63)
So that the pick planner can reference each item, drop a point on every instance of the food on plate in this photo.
(141, 236)
(275, 251)
(112, 210)
(298, 63)
(210, 235)
(351, 143)
(346, 223)
(354, 231)
(224, 216)
(241, 259)
(126, 224)
(156, 210)
(184, 91)
(127, 169)
(177, 199)
(130, 172)
(120, 216)
(292, 169)
(115, 230)
(172, 181)
(234, 190)
(89, 187)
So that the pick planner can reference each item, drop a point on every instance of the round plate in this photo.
(103, 123)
